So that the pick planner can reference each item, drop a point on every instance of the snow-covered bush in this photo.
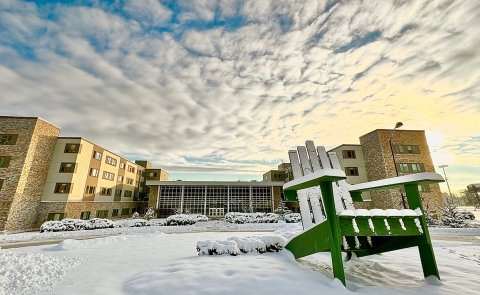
(150, 214)
(240, 218)
(234, 246)
(52, 226)
(292, 217)
(135, 215)
(97, 223)
(184, 219)
(73, 224)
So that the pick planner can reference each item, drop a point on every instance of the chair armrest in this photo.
(314, 179)
(418, 178)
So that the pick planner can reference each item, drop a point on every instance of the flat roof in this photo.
(396, 130)
(232, 183)
(31, 118)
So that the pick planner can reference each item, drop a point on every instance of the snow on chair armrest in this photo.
(418, 178)
(314, 179)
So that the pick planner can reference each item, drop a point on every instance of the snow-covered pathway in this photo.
(168, 264)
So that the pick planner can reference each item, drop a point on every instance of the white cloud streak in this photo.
(244, 94)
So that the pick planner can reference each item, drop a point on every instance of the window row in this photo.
(411, 167)
(105, 191)
(86, 215)
(406, 149)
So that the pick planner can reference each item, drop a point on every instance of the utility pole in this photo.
(446, 179)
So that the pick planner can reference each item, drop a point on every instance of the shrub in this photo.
(240, 218)
(150, 214)
(293, 217)
(97, 223)
(52, 226)
(184, 219)
(135, 215)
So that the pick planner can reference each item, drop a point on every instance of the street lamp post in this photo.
(446, 179)
(398, 125)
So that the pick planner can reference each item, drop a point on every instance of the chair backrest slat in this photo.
(312, 154)
(301, 194)
(295, 163)
(341, 188)
(304, 161)
(322, 154)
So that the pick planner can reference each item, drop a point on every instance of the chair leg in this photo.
(335, 233)
(427, 257)
(425, 249)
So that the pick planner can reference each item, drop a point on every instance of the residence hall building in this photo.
(47, 177)
(410, 155)
(213, 198)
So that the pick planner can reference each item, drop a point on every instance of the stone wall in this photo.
(26, 175)
(153, 196)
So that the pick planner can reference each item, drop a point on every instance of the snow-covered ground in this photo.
(159, 263)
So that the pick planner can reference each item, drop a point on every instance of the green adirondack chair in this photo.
(339, 227)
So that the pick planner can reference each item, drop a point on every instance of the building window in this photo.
(129, 181)
(131, 169)
(90, 190)
(97, 155)
(411, 167)
(1, 183)
(351, 171)
(104, 191)
(102, 214)
(127, 194)
(122, 165)
(108, 175)
(62, 188)
(93, 172)
(349, 154)
(114, 212)
(403, 168)
(118, 193)
(72, 148)
(417, 168)
(125, 211)
(55, 216)
(8, 139)
(110, 161)
(424, 188)
(407, 149)
(5, 161)
(120, 178)
(85, 215)
(67, 167)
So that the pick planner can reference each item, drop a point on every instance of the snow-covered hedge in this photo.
(185, 219)
(234, 246)
(240, 218)
(69, 224)
(292, 217)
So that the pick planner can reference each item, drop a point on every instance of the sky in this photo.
(216, 90)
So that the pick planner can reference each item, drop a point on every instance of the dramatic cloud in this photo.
(232, 85)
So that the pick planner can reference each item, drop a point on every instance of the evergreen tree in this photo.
(451, 216)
